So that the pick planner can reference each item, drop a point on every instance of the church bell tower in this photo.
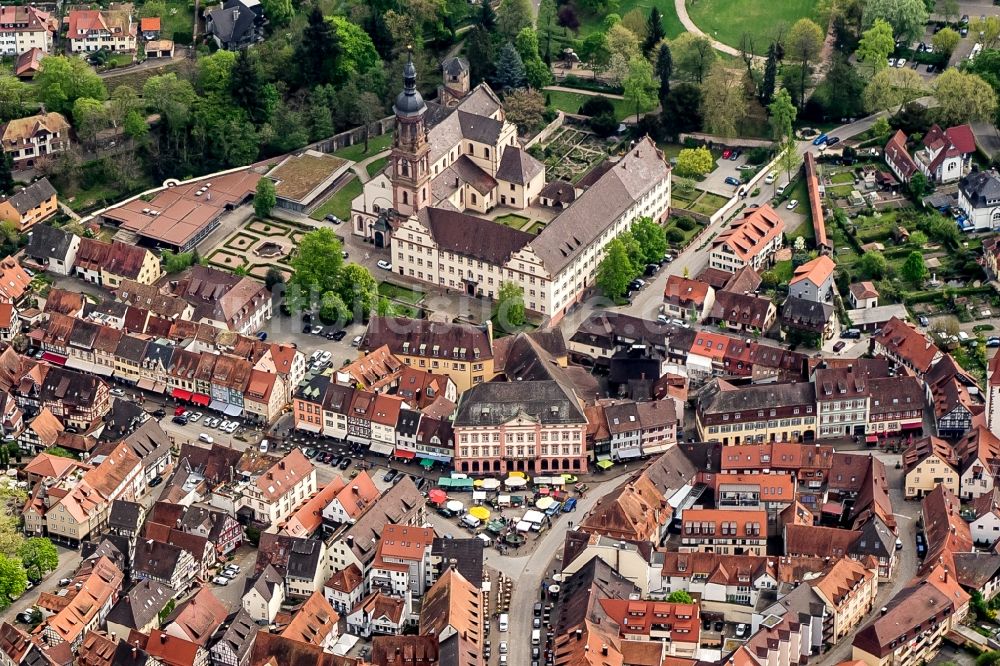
(410, 151)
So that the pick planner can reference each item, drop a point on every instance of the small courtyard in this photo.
(571, 153)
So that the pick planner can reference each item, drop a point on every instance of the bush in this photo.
(686, 223)
(675, 236)
(759, 155)
(597, 105)
(604, 125)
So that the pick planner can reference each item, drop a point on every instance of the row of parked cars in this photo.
(228, 573)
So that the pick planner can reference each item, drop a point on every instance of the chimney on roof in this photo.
(355, 490)
(579, 634)
(604, 649)
(884, 610)
(163, 636)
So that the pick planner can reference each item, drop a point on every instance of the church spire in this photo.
(409, 102)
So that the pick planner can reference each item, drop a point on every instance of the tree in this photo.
(357, 53)
(873, 265)
(654, 31)
(481, 51)
(635, 21)
(385, 307)
(882, 129)
(664, 70)
(770, 80)
(175, 262)
(487, 16)
(907, 17)
(782, 116)
(945, 41)
(918, 238)
(694, 162)
(682, 111)
(840, 92)
(332, 308)
(949, 9)
(651, 239)
(359, 289)
(509, 69)
(963, 98)
(693, 56)
(14, 97)
(38, 556)
(680, 597)
(893, 87)
(249, 90)
(919, 186)
(622, 42)
(536, 71)
(914, 270)
(6, 173)
(13, 579)
(546, 19)
(135, 126)
(804, 43)
(273, 278)
(264, 199)
(278, 12)
(990, 29)
(640, 86)
(509, 312)
(317, 262)
(61, 80)
(513, 16)
(723, 102)
(567, 18)
(594, 51)
(746, 50)
(877, 44)
(89, 118)
(615, 270)
(318, 50)
(525, 108)
(214, 72)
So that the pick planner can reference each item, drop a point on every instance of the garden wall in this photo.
(547, 131)
(726, 141)
(351, 136)
(701, 218)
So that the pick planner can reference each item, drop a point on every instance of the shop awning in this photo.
(426, 463)
(912, 426)
(200, 399)
(87, 366)
(181, 394)
(159, 387)
(603, 456)
(145, 384)
(404, 454)
(217, 405)
(381, 448)
(232, 410)
(54, 358)
(307, 427)
(625, 454)
(435, 457)
(605, 464)
(871, 438)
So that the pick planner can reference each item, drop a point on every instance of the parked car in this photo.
(993, 342)
(735, 155)
(384, 265)
(821, 139)
(793, 204)
(924, 321)
(732, 180)
(901, 63)
(345, 463)
(179, 420)
(389, 476)
(339, 335)
(160, 413)
(193, 418)
(569, 505)
(726, 153)
(742, 630)
(221, 580)
(333, 218)
(117, 392)
(63, 582)
(833, 141)
(840, 345)
(356, 342)
(316, 330)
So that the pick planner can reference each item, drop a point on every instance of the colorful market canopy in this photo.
(605, 464)
(516, 482)
(437, 496)
(491, 484)
(480, 512)
(544, 502)
(455, 505)
(426, 463)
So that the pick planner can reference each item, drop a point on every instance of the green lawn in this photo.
(709, 203)
(377, 165)
(671, 23)
(512, 220)
(842, 178)
(784, 271)
(179, 17)
(340, 203)
(535, 227)
(399, 293)
(356, 153)
(571, 102)
(727, 20)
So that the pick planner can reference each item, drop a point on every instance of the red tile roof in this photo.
(685, 291)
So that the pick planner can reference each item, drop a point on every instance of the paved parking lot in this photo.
(715, 182)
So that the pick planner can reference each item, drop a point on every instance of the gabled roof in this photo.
(141, 605)
(685, 291)
(817, 271)
(313, 622)
(906, 342)
(198, 617)
(863, 290)
(897, 155)
(48, 242)
(239, 637)
(518, 167)
(748, 235)
(28, 198)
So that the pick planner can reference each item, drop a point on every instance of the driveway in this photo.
(69, 560)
